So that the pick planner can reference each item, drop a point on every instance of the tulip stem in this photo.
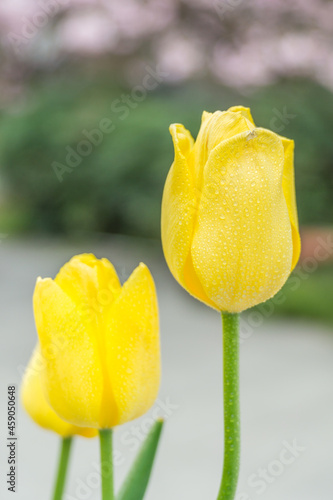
(66, 444)
(231, 406)
(105, 438)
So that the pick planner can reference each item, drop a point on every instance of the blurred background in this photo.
(88, 89)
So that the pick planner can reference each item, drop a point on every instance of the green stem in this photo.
(231, 406)
(59, 486)
(105, 437)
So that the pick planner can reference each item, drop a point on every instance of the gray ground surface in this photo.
(286, 393)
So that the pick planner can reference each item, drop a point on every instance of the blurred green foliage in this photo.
(311, 299)
(118, 187)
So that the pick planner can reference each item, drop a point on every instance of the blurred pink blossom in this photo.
(179, 56)
(241, 43)
(88, 33)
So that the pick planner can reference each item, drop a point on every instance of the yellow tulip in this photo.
(100, 340)
(36, 405)
(229, 217)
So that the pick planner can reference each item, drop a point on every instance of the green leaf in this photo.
(136, 482)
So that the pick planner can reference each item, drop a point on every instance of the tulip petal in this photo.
(242, 245)
(75, 381)
(180, 198)
(36, 405)
(246, 112)
(205, 116)
(219, 126)
(132, 346)
(288, 185)
(216, 127)
(91, 283)
(178, 204)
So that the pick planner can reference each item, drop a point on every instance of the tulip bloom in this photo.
(100, 340)
(229, 218)
(36, 405)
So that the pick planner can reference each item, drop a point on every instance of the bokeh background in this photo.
(88, 89)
